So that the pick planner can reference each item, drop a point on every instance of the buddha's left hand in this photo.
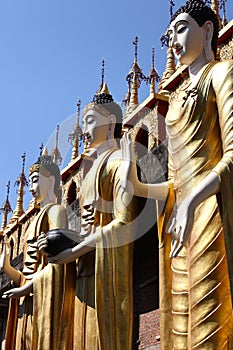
(181, 226)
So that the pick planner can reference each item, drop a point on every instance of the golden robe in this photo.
(104, 289)
(35, 321)
(198, 303)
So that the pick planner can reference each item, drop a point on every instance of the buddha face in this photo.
(96, 128)
(186, 38)
(39, 186)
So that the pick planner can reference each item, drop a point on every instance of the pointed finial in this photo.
(41, 148)
(153, 58)
(99, 91)
(6, 208)
(153, 75)
(135, 72)
(23, 164)
(102, 74)
(76, 135)
(57, 134)
(135, 43)
(21, 182)
(172, 4)
(56, 155)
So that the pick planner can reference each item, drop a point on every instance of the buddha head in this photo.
(193, 31)
(44, 177)
(102, 119)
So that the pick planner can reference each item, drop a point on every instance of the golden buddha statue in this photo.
(196, 281)
(104, 286)
(34, 319)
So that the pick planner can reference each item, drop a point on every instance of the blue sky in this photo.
(50, 56)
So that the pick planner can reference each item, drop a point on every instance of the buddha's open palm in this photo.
(5, 256)
(128, 171)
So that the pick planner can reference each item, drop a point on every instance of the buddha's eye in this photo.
(181, 29)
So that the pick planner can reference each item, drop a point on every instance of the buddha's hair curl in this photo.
(106, 101)
(47, 167)
(201, 13)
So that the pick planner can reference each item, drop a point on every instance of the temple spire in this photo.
(135, 43)
(135, 74)
(170, 68)
(134, 92)
(76, 135)
(102, 77)
(21, 182)
(56, 155)
(153, 74)
(6, 208)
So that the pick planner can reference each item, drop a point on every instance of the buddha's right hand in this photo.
(5, 256)
(42, 243)
(127, 170)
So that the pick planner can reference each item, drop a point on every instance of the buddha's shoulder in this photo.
(56, 209)
(223, 67)
(113, 161)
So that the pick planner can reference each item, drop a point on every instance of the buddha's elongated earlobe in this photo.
(207, 49)
(112, 122)
(51, 194)
(208, 26)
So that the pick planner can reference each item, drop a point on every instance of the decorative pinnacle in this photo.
(102, 78)
(135, 70)
(102, 73)
(170, 67)
(172, 4)
(56, 155)
(135, 43)
(76, 135)
(41, 148)
(21, 182)
(22, 178)
(6, 208)
(78, 104)
(153, 75)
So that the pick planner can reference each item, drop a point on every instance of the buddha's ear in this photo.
(209, 30)
(208, 35)
(112, 122)
(51, 187)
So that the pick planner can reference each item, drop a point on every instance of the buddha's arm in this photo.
(129, 179)
(19, 292)
(124, 212)
(183, 222)
(223, 86)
